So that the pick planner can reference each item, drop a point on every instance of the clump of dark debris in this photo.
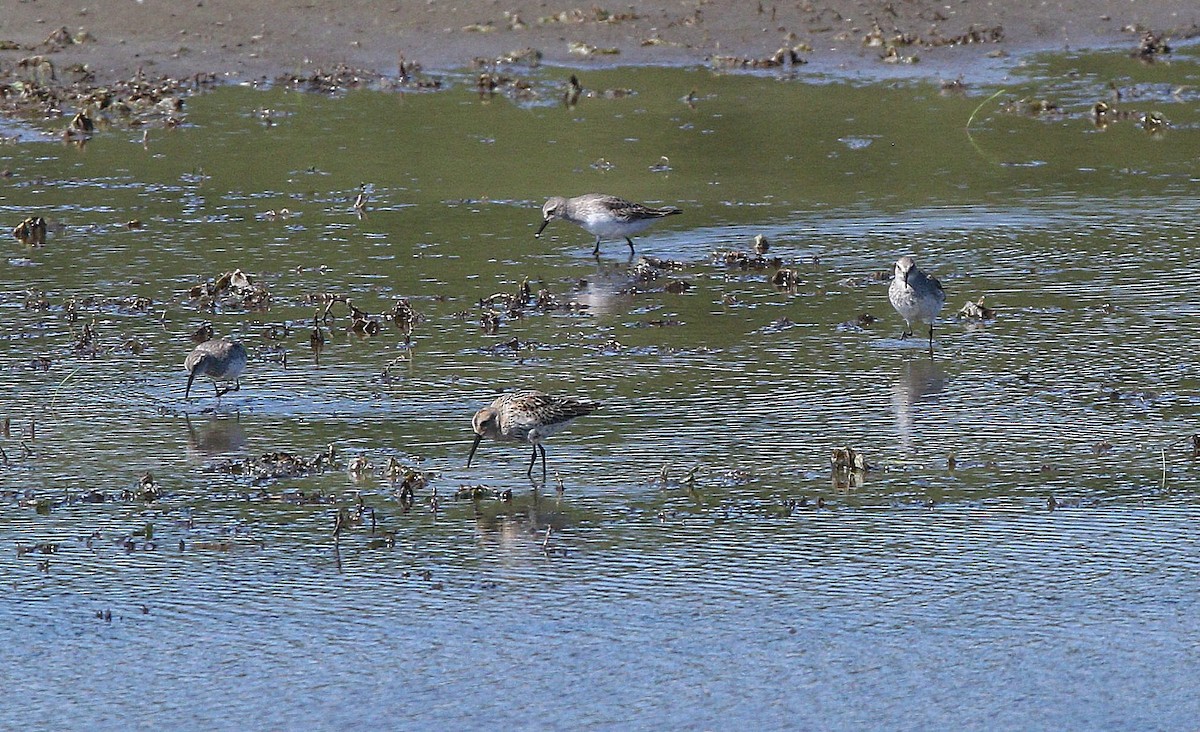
(234, 290)
(276, 465)
(36, 87)
(783, 58)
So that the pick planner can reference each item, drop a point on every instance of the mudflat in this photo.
(232, 40)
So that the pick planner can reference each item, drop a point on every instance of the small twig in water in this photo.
(971, 119)
(1164, 449)
(66, 378)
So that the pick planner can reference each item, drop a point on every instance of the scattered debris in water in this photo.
(783, 58)
(275, 465)
(31, 231)
(846, 459)
(44, 547)
(409, 76)
(362, 323)
(36, 89)
(580, 48)
(338, 79)
(231, 290)
(593, 15)
(859, 324)
(745, 260)
(1031, 107)
(1151, 47)
(490, 321)
(358, 467)
(404, 317)
(687, 480)
(146, 490)
(876, 38)
(893, 56)
(786, 279)
(80, 126)
(575, 91)
(203, 334)
(954, 86)
(976, 311)
(1154, 122)
(1103, 114)
(481, 492)
(489, 83)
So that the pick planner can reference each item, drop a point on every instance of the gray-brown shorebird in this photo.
(527, 416)
(220, 359)
(918, 297)
(605, 217)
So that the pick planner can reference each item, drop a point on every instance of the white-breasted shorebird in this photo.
(918, 297)
(605, 217)
(220, 359)
(527, 416)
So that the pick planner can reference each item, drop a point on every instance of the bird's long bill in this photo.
(541, 228)
(474, 446)
(191, 378)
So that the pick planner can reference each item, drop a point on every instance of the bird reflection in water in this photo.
(919, 378)
(515, 524)
(604, 293)
(217, 435)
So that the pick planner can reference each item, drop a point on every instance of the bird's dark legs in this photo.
(931, 339)
(596, 251)
(533, 460)
(630, 243)
(237, 386)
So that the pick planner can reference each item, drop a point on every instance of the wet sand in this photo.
(237, 41)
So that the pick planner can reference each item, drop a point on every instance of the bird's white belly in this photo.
(915, 309)
(607, 228)
(541, 432)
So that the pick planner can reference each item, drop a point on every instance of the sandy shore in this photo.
(238, 41)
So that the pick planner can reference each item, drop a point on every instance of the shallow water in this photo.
(938, 589)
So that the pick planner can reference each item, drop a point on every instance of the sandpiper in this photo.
(918, 297)
(604, 216)
(527, 416)
(220, 359)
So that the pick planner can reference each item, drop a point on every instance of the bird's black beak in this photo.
(474, 446)
(191, 378)
(541, 228)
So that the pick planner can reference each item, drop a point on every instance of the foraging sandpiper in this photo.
(527, 416)
(220, 359)
(603, 216)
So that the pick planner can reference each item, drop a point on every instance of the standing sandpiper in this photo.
(918, 297)
(607, 217)
(527, 416)
(220, 359)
